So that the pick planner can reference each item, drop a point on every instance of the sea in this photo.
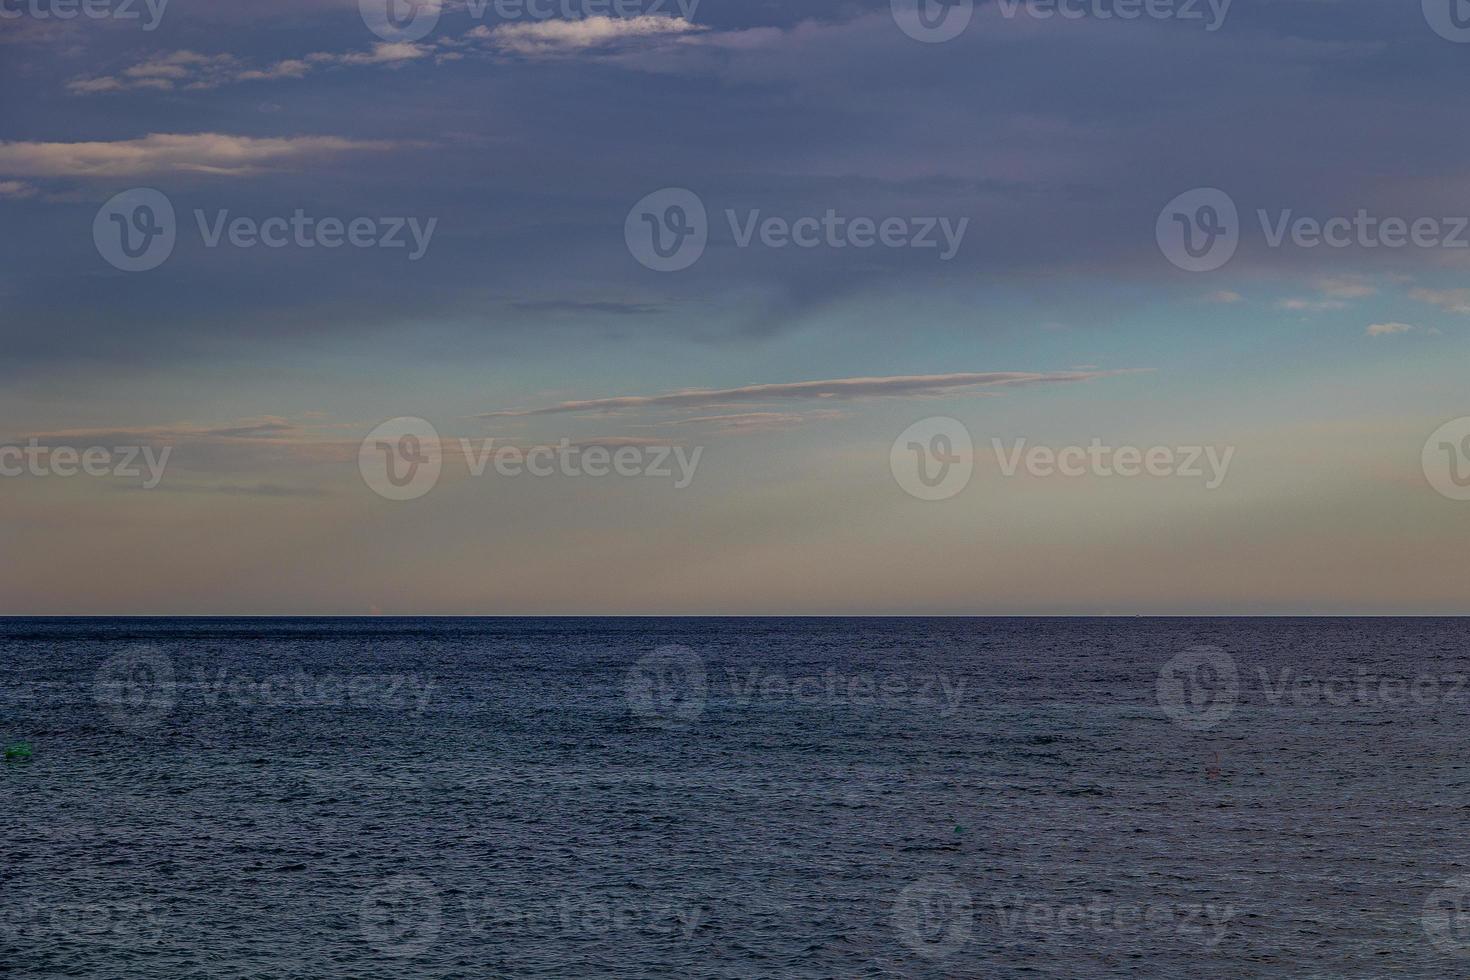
(570, 798)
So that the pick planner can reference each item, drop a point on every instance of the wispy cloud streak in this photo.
(910, 386)
(159, 153)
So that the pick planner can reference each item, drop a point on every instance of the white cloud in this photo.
(1346, 288)
(1453, 300)
(177, 64)
(1334, 294)
(1385, 329)
(384, 53)
(159, 153)
(1389, 329)
(166, 72)
(555, 37)
(94, 86)
(1312, 305)
(1224, 296)
(290, 68)
(192, 70)
(16, 189)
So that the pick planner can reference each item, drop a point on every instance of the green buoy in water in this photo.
(19, 752)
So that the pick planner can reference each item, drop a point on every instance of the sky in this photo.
(856, 308)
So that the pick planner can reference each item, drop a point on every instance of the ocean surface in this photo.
(735, 798)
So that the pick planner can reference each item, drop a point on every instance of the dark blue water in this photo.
(722, 798)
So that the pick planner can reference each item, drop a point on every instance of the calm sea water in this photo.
(735, 797)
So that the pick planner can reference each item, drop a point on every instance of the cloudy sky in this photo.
(1069, 230)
